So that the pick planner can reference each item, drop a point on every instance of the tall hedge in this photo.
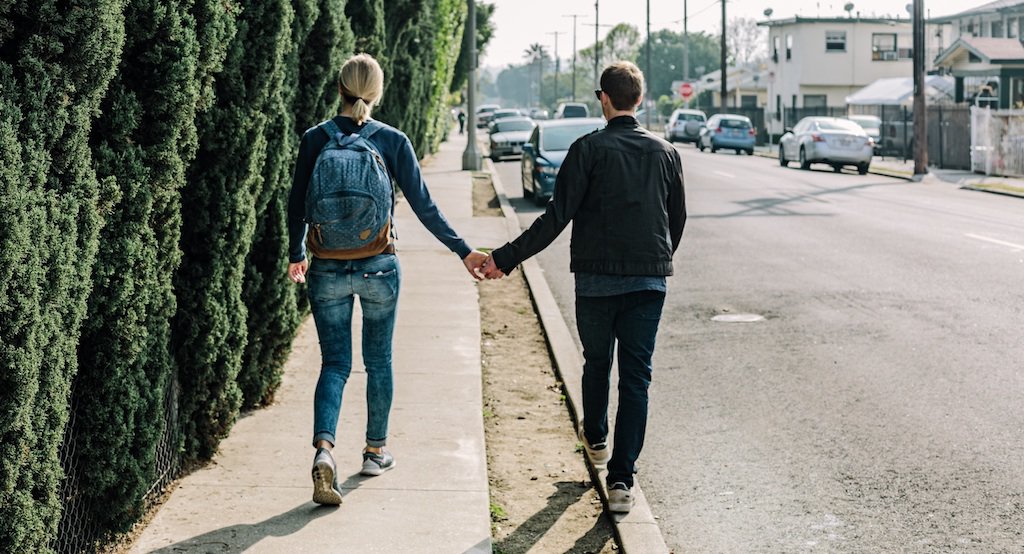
(367, 20)
(219, 217)
(56, 60)
(143, 141)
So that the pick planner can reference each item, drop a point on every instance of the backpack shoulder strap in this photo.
(371, 127)
(331, 128)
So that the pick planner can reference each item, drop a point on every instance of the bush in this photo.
(56, 62)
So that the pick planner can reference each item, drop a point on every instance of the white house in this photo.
(815, 63)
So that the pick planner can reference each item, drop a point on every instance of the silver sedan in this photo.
(828, 140)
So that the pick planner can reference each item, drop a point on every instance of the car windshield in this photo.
(689, 117)
(574, 111)
(838, 125)
(506, 126)
(867, 121)
(562, 136)
(734, 123)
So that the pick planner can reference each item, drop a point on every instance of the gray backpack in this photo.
(350, 198)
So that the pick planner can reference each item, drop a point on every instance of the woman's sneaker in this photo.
(375, 464)
(598, 453)
(325, 479)
(620, 498)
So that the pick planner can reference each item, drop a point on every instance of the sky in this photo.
(519, 23)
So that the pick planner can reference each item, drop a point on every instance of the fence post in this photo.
(942, 141)
(906, 145)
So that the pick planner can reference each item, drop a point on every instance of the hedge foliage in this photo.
(146, 153)
(56, 60)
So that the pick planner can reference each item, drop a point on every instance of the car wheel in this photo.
(538, 198)
(700, 145)
(527, 192)
(738, 151)
(750, 151)
(837, 168)
(713, 147)
(782, 157)
(804, 162)
(862, 169)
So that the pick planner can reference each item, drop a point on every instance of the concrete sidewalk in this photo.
(255, 496)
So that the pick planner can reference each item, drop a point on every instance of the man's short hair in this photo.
(624, 84)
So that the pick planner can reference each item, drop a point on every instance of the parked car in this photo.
(572, 109)
(544, 152)
(484, 112)
(539, 113)
(508, 136)
(872, 125)
(728, 131)
(828, 140)
(502, 114)
(684, 125)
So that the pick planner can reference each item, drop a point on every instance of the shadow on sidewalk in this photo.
(241, 537)
(533, 529)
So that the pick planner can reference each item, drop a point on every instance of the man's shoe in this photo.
(598, 453)
(375, 464)
(620, 498)
(325, 479)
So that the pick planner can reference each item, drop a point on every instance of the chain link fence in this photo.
(75, 532)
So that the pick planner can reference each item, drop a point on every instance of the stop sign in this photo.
(686, 90)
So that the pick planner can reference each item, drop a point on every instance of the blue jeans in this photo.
(333, 286)
(631, 320)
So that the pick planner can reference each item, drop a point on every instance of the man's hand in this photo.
(491, 270)
(474, 262)
(297, 271)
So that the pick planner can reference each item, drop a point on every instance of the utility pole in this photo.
(647, 79)
(686, 45)
(471, 157)
(725, 68)
(920, 110)
(573, 16)
(597, 42)
(558, 62)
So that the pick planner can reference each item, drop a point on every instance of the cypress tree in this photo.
(218, 214)
(56, 60)
(320, 36)
(367, 20)
(144, 140)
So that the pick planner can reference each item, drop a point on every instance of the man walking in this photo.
(622, 188)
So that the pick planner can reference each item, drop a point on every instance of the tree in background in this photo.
(536, 56)
(667, 59)
(746, 43)
(513, 85)
(56, 62)
(218, 211)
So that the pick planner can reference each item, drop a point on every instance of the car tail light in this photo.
(719, 130)
(753, 132)
(871, 141)
(817, 138)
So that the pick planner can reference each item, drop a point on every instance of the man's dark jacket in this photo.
(622, 188)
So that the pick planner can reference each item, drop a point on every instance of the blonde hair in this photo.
(362, 85)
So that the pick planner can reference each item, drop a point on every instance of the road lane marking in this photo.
(724, 174)
(995, 241)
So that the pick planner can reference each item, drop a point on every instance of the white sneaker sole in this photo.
(620, 508)
(599, 458)
(323, 485)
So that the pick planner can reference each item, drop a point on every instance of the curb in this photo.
(637, 531)
(871, 169)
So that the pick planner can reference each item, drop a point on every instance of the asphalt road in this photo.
(877, 408)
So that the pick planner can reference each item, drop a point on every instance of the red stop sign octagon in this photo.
(686, 90)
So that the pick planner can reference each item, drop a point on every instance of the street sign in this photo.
(686, 90)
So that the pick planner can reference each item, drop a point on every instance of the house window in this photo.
(835, 41)
(748, 101)
(1012, 28)
(775, 49)
(778, 106)
(883, 47)
(789, 47)
(973, 58)
(970, 28)
(997, 29)
(815, 101)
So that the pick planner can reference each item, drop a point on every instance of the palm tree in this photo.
(536, 54)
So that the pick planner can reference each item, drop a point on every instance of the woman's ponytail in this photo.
(362, 85)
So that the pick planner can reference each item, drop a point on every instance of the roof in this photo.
(990, 50)
(991, 7)
(899, 90)
(798, 20)
(569, 121)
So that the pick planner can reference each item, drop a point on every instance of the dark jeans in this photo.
(631, 320)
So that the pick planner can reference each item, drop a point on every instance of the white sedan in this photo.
(827, 140)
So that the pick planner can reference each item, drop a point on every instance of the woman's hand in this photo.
(297, 271)
(473, 263)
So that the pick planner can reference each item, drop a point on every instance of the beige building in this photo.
(815, 63)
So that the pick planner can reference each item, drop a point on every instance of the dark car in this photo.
(567, 110)
(544, 152)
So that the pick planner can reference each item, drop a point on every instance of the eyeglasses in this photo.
(597, 93)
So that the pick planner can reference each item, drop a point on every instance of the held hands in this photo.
(297, 271)
(481, 265)
(490, 269)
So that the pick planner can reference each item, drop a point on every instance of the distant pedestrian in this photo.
(341, 209)
(462, 121)
(622, 189)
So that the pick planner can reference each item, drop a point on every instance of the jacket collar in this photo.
(625, 120)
